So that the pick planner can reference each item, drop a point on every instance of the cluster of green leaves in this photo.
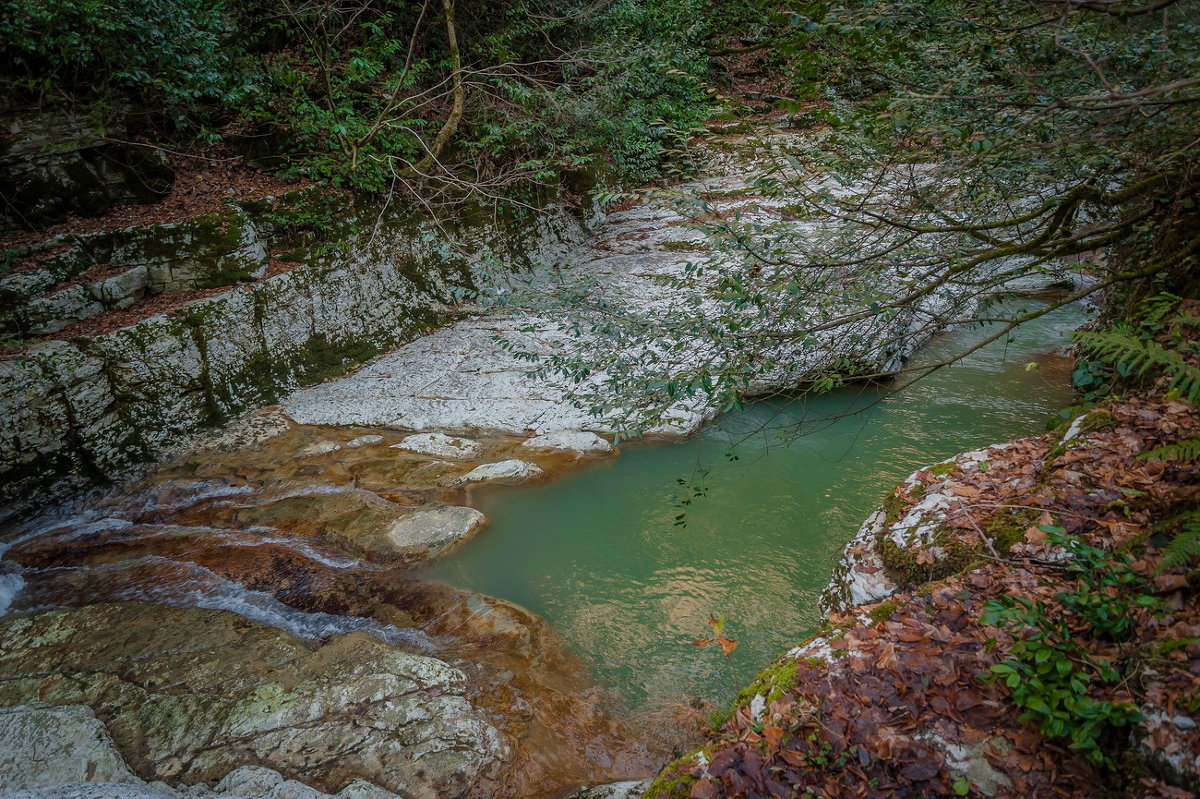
(1156, 343)
(1050, 669)
(332, 97)
(170, 52)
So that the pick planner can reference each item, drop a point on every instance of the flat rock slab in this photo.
(433, 530)
(189, 694)
(247, 782)
(44, 745)
(509, 472)
(577, 441)
(440, 445)
(456, 378)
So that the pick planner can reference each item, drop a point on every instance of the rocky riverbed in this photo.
(245, 617)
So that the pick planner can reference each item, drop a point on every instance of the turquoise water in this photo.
(598, 555)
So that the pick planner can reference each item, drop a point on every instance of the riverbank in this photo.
(927, 679)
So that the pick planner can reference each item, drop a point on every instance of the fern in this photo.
(1186, 544)
(1186, 450)
(1141, 357)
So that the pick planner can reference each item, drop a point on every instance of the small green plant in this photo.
(1184, 547)
(1157, 345)
(1180, 451)
(1049, 669)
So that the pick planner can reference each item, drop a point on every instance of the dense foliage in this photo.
(953, 148)
(369, 93)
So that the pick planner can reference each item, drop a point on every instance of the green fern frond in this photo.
(1160, 305)
(1185, 546)
(1142, 357)
(1186, 450)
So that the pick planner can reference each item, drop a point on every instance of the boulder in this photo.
(510, 472)
(434, 530)
(440, 445)
(43, 745)
(578, 441)
(629, 789)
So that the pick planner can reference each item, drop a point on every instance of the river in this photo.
(600, 555)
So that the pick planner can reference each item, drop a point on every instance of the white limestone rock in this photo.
(320, 448)
(510, 472)
(440, 445)
(859, 577)
(363, 441)
(434, 530)
(577, 441)
(45, 745)
(629, 789)
(98, 790)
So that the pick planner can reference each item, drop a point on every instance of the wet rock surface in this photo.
(307, 535)
(42, 745)
(187, 692)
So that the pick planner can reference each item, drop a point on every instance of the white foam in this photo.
(11, 583)
(203, 588)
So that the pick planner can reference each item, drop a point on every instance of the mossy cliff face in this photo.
(365, 283)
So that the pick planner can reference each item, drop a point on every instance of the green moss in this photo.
(1053, 455)
(322, 359)
(902, 565)
(673, 782)
(772, 682)
(795, 211)
(1009, 528)
(895, 505)
(944, 469)
(679, 787)
(727, 194)
(884, 610)
(1097, 420)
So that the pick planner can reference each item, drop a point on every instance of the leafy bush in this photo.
(1049, 669)
(165, 51)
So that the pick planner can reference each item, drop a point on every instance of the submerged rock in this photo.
(185, 693)
(363, 441)
(630, 789)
